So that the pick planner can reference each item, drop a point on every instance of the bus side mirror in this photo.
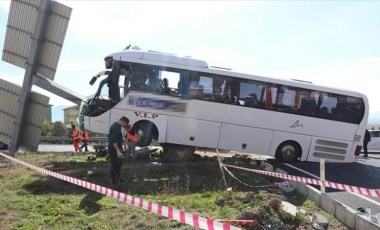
(93, 80)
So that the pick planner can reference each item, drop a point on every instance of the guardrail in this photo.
(64, 139)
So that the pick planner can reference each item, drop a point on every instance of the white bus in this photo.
(183, 103)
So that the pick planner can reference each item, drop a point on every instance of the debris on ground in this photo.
(319, 221)
(285, 186)
(58, 168)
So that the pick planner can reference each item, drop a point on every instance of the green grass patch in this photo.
(30, 200)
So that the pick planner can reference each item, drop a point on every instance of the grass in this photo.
(30, 200)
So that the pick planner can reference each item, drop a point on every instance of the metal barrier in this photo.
(65, 139)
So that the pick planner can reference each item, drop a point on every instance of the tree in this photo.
(58, 129)
(46, 129)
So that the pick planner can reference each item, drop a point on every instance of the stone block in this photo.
(320, 221)
(289, 208)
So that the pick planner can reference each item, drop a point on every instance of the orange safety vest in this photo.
(85, 136)
(75, 134)
(132, 137)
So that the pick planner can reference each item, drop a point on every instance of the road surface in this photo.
(363, 173)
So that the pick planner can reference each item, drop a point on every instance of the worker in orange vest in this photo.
(132, 138)
(84, 141)
(75, 135)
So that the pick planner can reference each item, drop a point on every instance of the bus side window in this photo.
(217, 95)
(268, 98)
(251, 100)
(166, 89)
(234, 92)
(308, 106)
(196, 92)
(323, 112)
(153, 83)
(235, 100)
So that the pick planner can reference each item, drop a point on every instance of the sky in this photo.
(332, 43)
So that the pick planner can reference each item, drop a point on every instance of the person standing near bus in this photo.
(367, 138)
(132, 138)
(75, 135)
(115, 145)
(84, 141)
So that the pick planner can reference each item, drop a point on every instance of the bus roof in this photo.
(158, 57)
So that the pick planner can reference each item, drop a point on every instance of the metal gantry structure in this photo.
(34, 39)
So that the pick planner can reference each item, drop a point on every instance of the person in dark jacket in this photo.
(367, 138)
(115, 145)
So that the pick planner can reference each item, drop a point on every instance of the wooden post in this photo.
(322, 174)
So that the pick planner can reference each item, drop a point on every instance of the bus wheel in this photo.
(149, 132)
(145, 139)
(288, 151)
(177, 153)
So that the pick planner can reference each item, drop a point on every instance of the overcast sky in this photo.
(333, 43)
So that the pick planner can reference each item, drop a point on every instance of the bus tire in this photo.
(288, 151)
(149, 131)
(146, 139)
(177, 153)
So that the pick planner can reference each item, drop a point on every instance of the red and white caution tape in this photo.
(161, 210)
(329, 184)
(252, 186)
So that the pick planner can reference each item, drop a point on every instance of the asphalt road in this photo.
(363, 173)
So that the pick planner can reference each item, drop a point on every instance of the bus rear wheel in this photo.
(177, 153)
(288, 151)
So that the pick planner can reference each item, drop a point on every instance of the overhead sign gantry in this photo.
(34, 38)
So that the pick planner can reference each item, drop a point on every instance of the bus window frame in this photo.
(272, 91)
